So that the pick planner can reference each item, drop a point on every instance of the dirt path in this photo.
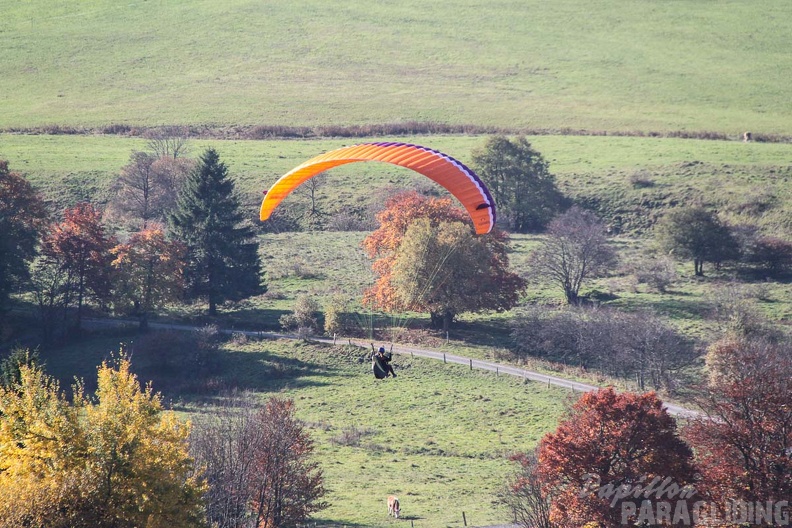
(674, 410)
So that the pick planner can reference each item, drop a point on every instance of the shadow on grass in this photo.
(244, 318)
(329, 523)
(268, 372)
(494, 333)
(177, 369)
(259, 371)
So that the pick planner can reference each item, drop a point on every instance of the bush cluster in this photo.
(639, 346)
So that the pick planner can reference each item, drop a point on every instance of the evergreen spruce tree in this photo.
(222, 256)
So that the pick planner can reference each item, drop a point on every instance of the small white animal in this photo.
(393, 506)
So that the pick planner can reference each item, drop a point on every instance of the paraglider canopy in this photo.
(454, 176)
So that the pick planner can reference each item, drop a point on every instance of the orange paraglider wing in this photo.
(455, 177)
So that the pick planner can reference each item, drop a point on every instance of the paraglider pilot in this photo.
(380, 363)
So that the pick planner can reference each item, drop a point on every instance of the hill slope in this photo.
(607, 65)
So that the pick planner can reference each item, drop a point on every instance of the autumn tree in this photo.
(446, 270)
(697, 234)
(576, 249)
(606, 441)
(259, 465)
(114, 460)
(80, 247)
(222, 260)
(429, 260)
(149, 273)
(520, 181)
(39, 437)
(146, 190)
(22, 220)
(743, 439)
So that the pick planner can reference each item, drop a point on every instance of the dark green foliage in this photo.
(9, 367)
(222, 256)
(770, 255)
(696, 233)
(519, 179)
(22, 217)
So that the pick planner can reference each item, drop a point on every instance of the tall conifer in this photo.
(222, 255)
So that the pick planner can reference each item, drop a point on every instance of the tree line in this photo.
(118, 459)
(186, 238)
(619, 459)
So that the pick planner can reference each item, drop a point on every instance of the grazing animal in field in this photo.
(747, 137)
(393, 506)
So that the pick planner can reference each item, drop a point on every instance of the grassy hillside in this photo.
(747, 182)
(604, 65)
(437, 435)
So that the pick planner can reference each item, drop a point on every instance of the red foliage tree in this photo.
(150, 272)
(743, 443)
(610, 440)
(427, 261)
(286, 486)
(80, 245)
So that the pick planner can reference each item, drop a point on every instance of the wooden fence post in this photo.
(464, 520)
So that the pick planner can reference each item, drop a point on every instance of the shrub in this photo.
(641, 179)
(346, 221)
(772, 255)
(335, 318)
(177, 354)
(658, 273)
(639, 345)
(304, 318)
(351, 436)
(259, 464)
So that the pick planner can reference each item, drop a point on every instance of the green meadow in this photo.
(595, 65)
(438, 435)
(734, 177)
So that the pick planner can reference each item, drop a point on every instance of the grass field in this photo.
(603, 65)
(437, 435)
(734, 177)
(745, 182)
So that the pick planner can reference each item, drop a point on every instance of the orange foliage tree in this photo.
(609, 440)
(427, 259)
(743, 442)
(80, 246)
(150, 269)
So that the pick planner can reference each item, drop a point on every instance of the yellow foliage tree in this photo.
(117, 459)
(39, 437)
